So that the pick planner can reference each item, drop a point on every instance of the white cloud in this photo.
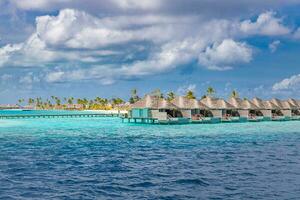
(292, 83)
(134, 4)
(222, 56)
(54, 76)
(274, 45)
(38, 4)
(266, 24)
(7, 50)
(75, 39)
(183, 89)
(297, 34)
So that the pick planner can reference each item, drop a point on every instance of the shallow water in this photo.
(101, 158)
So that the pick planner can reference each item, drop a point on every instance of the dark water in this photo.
(104, 159)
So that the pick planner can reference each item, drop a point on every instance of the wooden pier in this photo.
(69, 115)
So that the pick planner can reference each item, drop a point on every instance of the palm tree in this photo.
(70, 100)
(203, 97)
(171, 96)
(134, 97)
(30, 101)
(234, 94)
(21, 101)
(117, 101)
(57, 101)
(210, 91)
(157, 93)
(190, 94)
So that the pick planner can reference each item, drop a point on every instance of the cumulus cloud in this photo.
(292, 83)
(39, 4)
(297, 34)
(221, 56)
(266, 24)
(80, 40)
(183, 89)
(229, 7)
(274, 45)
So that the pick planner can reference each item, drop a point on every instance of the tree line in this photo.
(99, 103)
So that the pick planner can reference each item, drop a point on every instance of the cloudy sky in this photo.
(105, 48)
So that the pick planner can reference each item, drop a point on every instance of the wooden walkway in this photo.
(57, 116)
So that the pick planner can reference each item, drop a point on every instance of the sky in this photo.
(75, 48)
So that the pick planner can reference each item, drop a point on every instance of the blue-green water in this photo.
(101, 158)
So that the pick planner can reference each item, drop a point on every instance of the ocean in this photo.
(103, 158)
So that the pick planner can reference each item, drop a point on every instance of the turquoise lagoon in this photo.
(103, 158)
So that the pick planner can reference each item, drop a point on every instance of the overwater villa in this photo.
(154, 109)
(193, 109)
(182, 110)
(267, 109)
(285, 108)
(221, 109)
(294, 106)
(246, 109)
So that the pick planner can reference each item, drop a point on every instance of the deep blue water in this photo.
(101, 158)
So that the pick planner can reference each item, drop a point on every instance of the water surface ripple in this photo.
(101, 158)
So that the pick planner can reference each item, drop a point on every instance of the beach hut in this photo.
(245, 109)
(269, 109)
(191, 108)
(295, 103)
(263, 108)
(285, 107)
(293, 106)
(220, 109)
(152, 108)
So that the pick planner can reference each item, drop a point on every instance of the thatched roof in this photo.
(242, 104)
(215, 103)
(268, 105)
(277, 103)
(271, 106)
(287, 105)
(164, 104)
(294, 103)
(185, 103)
(236, 102)
(259, 103)
(153, 102)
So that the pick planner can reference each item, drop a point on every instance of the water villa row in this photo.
(181, 110)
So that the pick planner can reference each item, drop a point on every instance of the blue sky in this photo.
(105, 48)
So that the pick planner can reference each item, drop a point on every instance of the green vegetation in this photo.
(170, 96)
(75, 104)
(210, 91)
(190, 95)
(234, 94)
(98, 103)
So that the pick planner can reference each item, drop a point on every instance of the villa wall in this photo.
(186, 113)
(159, 115)
(243, 113)
(267, 114)
(140, 113)
(217, 113)
(287, 113)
